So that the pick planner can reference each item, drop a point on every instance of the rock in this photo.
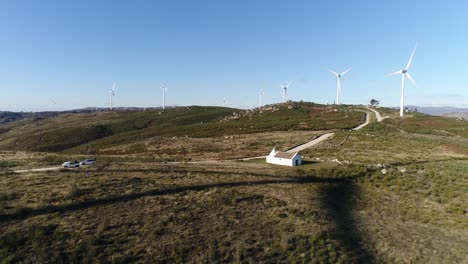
(402, 169)
(384, 171)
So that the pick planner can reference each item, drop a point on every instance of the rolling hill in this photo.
(89, 132)
(392, 192)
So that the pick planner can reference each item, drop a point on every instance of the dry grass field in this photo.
(385, 194)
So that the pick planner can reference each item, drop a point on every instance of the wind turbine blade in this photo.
(113, 87)
(411, 58)
(345, 72)
(394, 73)
(289, 83)
(411, 79)
(334, 72)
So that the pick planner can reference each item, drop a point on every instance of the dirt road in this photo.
(377, 115)
(38, 170)
(311, 143)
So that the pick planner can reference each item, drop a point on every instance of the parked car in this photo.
(88, 162)
(71, 164)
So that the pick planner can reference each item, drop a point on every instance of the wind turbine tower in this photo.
(405, 74)
(164, 90)
(338, 85)
(111, 94)
(285, 90)
(261, 96)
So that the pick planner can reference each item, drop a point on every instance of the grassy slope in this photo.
(252, 212)
(419, 203)
(86, 133)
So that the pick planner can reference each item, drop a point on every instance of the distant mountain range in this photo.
(8, 117)
(447, 111)
(439, 110)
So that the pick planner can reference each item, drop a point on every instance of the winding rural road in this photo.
(364, 124)
(377, 115)
(322, 137)
(328, 135)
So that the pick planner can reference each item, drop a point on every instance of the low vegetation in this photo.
(388, 193)
(90, 133)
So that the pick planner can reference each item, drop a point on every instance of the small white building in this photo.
(284, 158)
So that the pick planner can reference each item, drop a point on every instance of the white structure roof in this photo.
(284, 158)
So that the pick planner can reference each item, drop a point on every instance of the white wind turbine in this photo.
(261, 96)
(164, 90)
(338, 85)
(111, 93)
(225, 102)
(404, 73)
(285, 90)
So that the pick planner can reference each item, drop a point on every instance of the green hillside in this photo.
(86, 133)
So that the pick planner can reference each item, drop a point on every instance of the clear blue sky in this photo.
(70, 52)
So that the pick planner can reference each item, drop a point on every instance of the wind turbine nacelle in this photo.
(404, 71)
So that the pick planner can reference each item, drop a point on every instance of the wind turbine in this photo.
(404, 73)
(111, 93)
(285, 90)
(164, 89)
(261, 96)
(338, 85)
(225, 102)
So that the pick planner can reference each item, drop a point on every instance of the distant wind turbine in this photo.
(111, 94)
(338, 85)
(404, 73)
(164, 89)
(225, 102)
(261, 96)
(285, 90)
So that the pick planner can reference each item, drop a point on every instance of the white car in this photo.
(71, 164)
(88, 162)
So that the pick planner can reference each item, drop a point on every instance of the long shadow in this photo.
(338, 202)
(178, 170)
(305, 162)
(337, 198)
(25, 213)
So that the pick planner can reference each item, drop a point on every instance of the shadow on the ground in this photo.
(336, 197)
(338, 201)
(306, 162)
(175, 170)
(25, 213)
